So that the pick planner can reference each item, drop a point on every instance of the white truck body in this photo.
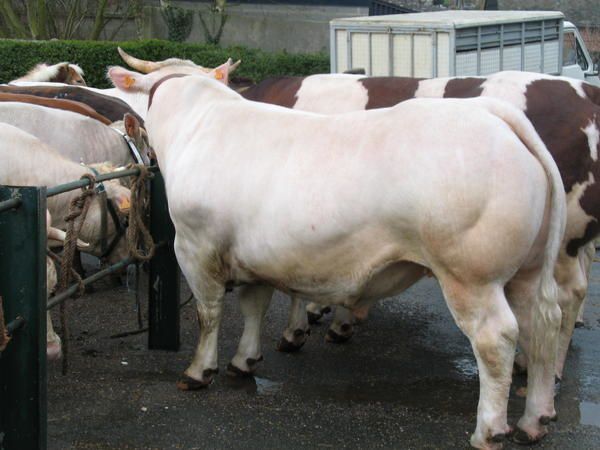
(460, 43)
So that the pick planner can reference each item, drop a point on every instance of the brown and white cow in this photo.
(63, 72)
(110, 107)
(276, 204)
(564, 112)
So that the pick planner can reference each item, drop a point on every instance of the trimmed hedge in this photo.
(18, 57)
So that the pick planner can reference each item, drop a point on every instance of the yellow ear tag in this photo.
(129, 81)
(123, 204)
(219, 74)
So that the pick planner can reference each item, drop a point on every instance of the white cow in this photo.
(56, 238)
(341, 209)
(26, 161)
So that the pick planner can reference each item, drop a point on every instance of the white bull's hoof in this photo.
(251, 364)
(314, 317)
(296, 343)
(522, 437)
(337, 338)
(187, 383)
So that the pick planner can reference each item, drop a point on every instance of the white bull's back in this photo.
(299, 197)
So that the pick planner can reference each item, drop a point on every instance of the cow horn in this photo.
(234, 66)
(138, 64)
(152, 66)
(55, 234)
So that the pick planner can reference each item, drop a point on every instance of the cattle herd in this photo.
(486, 183)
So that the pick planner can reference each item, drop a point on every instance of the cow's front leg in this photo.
(294, 336)
(254, 301)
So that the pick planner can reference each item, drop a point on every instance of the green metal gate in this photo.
(23, 290)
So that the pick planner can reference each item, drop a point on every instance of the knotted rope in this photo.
(78, 209)
(137, 230)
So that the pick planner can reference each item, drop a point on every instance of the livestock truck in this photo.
(461, 43)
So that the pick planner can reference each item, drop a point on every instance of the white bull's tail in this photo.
(523, 128)
(545, 312)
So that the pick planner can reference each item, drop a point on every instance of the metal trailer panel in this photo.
(496, 45)
(23, 289)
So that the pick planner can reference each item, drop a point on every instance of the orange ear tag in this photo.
(129, 81)
(123, 204)
(219, 75)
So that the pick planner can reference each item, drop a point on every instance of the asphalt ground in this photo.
(407, 380)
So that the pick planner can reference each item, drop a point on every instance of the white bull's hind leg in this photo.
(483, 314)
(538, 321)
(342, 327)
(294, 336)
(201, 269)
(254, 301)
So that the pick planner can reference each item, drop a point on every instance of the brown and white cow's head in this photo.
(63, 72)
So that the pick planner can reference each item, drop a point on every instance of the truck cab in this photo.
(577, 62)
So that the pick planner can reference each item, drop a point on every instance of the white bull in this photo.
(344, 209)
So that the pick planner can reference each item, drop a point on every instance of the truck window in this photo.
(572, 52)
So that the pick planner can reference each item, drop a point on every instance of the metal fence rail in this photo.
(23, 244)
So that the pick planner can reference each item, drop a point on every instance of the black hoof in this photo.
(335, 338)
(313, 318)
(287, 346)
(579, 324)
(545, 420)
(299, 333)
(498, 437)
(346, 328)
(522, 438)
(252, 362)
(187, 383)
(234, 371)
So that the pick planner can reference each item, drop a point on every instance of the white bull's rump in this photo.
(334, 208)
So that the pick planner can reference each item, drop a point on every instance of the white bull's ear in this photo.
(221, 73)
(130, 81)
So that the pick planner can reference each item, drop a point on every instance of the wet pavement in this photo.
(407, 380)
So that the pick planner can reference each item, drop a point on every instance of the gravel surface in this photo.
(406, 380)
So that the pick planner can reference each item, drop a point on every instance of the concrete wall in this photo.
(271, 27)
(305, 29)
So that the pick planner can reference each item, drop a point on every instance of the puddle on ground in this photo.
(590, 413)
(466, 366)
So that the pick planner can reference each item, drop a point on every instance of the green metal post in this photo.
(163, 283)
(23, 289)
